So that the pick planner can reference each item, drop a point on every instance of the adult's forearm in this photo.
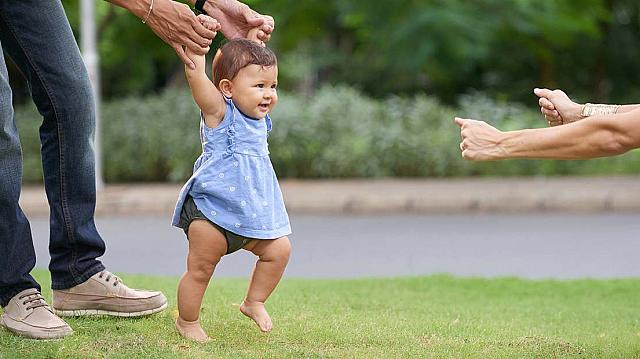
(628, 108)
(139, 8)
(598, 136)
(210, 5)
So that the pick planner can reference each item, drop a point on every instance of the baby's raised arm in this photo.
(206, 95)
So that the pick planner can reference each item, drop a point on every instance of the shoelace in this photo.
(108, 276)
(33, 300)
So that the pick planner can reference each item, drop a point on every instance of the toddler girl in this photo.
(233, 200)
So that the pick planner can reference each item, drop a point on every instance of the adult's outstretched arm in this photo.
(559, 109)
(597, 136)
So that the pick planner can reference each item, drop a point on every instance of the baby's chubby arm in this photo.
(204, 92)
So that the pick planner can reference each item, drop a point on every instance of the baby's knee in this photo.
(285, 247)
(279, 250)
(201, 274)
(202, 270)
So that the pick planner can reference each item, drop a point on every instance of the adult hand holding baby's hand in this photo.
(237, 19)
(209, 23)
(253, 36)
(176, 25)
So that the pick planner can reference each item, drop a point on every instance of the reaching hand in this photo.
(557, 107)
(480, 141)
(177, 25)
(237, 19)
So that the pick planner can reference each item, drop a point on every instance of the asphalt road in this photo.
(531, 246)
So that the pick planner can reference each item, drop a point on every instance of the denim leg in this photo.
(17, 256)
(37, 36)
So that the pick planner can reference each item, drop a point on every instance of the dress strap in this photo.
(231, 130)
(203, 137)
(268, 121)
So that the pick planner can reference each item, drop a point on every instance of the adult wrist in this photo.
(138, 8)
(210, 5)
(575, 114)
(149, 13)
(595, 109)
(502, 146)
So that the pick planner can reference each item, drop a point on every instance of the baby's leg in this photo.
(206, 246)
(273, 258)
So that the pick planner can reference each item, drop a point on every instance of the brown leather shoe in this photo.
(105, 294)
(28, 315)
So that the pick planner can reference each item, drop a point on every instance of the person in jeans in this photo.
(37, 36)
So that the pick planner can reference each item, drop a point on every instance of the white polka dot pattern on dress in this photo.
(240, 191)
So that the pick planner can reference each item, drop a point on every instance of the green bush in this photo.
(338, 133)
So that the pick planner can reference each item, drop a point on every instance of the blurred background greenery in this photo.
(369, 88)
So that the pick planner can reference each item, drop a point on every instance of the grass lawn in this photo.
(423, 317)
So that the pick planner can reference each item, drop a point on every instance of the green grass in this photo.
(426, 317)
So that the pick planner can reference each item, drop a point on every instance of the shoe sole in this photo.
(90, 312)
(31, 335)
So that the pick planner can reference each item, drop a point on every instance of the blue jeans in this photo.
(37, 36)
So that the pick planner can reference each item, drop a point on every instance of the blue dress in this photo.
(233, 182)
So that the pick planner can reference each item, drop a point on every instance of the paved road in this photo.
(531, 246)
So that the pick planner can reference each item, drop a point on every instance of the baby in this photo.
(233, 200)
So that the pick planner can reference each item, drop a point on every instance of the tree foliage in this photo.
(443, 48)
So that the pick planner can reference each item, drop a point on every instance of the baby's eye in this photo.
(274, 86)
(260, 85)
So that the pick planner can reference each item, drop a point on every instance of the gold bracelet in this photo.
(594, 109)
(146, 18)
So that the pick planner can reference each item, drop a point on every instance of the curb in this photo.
(428, 196)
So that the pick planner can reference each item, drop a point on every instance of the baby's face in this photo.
(254, 90)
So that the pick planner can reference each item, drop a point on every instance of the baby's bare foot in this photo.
(191, 330)
(256, 311)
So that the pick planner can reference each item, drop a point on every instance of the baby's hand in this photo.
(209, 22)
(253, 36)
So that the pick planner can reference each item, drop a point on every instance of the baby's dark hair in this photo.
(237, 54)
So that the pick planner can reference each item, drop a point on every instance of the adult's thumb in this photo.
(252, 18)
(542, 92)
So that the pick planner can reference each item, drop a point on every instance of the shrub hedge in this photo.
(337, 133)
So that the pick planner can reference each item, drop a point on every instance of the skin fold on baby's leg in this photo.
(273, 256)
(206, 246)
